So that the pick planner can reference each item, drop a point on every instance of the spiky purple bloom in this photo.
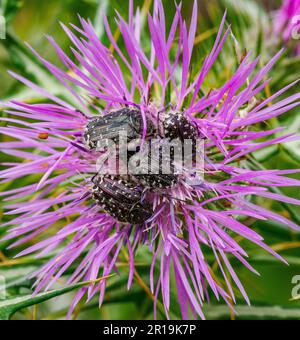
(287, 23)
(185, 225)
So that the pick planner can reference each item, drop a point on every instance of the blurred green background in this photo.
(30, 20)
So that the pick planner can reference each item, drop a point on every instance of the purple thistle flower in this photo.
(287, 20)
(183, 223)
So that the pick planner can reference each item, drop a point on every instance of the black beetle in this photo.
(109, 127)
(156, 182)
(149, 169)
(122, 199)
(177, 125)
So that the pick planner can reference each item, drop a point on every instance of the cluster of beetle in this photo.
(123, 197)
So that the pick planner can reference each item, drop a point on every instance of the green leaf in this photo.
(252, 313)
(27, 64)
(248, 20)
(9, 8)
(16, 279)
(293, 148)
(265, 259)
(294, 215)
(102, 9)
(10, 306)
